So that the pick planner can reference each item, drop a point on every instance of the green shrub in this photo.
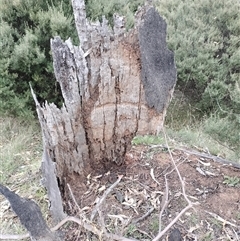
(10, 102)
(97, 8)
(219, 133)
(204, 35)
(224, 130)
(26, 29)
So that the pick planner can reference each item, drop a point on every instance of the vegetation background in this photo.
(204, 112)
(204, 35)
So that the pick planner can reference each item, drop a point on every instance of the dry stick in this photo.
(73, 198)
(95, 210)
(12, 236)
(235, 234)
(205, 155)
(176, 168)
(165, 197)
(144, 216)
(221, 219)
(190, 204)
(102, 223)
(172, 223)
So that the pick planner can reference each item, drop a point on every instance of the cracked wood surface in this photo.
(115, 85)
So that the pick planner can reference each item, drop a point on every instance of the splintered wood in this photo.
(115, 85)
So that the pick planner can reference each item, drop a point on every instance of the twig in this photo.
(95, 210)
(165, 203)
(209, 156)
(176, 168)
(165, 197)
(190, 204)
(153, 177)
(235, 234)
(221, 219)
(202, 154)
(144, 216)
(102, 223)
(11, 236)
(160, 234)
(70, 190)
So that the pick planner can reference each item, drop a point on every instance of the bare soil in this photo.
(132, 208)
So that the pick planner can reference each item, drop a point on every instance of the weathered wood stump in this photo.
(115, 85)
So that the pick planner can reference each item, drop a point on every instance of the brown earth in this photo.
(142, 191)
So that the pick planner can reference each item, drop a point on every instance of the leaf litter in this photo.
(132, 207)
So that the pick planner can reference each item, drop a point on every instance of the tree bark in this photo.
(115, 85)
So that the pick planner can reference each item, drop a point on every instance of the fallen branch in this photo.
(203, 154)
(209, 156)
(73, 198)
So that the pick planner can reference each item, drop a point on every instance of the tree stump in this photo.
(115, 85)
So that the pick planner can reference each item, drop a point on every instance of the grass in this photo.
(20, 160)
(231, 181)
(196, 138)
(215, 134)
(148, 140)
(185, 126)
(20, 146)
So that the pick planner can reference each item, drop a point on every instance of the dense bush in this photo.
(97, 8)
(26, 27)
(204, 34)
(224, 130)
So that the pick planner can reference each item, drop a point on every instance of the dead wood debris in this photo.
(202, 154)
(101, 229)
